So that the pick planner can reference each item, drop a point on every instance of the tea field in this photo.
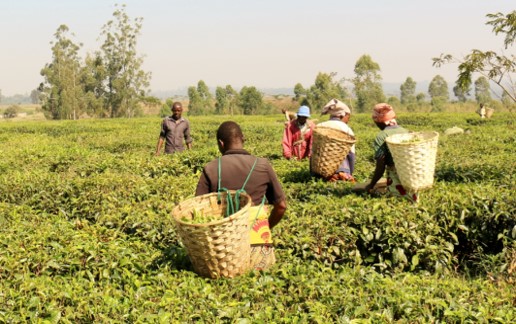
(86, 234)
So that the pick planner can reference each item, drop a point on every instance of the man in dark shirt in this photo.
(235, 166)
(174, 129)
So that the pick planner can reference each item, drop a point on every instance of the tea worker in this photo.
(297, 136)
(238, 169)
(174, 130)
(339, 117)
(385, 119)
(482, 111)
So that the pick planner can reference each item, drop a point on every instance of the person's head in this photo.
(229, 136)
(338, 109)
(303, 113)
(177, 110)
(383, 115)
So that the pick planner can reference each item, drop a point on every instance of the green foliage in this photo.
(408, 91)
(250, 100)
(489, 64)
(86, 233)
(126, 82)
(323, 90)
(11, 111)
(482, 91)
(61, 92)
(226, 101)
(368, 87)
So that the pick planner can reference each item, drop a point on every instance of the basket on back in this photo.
(414, 155)
(219, 248)
(489, 112)
(329, 148)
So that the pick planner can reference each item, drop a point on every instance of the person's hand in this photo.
(369, 189)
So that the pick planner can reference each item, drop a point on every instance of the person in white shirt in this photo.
(339, 117)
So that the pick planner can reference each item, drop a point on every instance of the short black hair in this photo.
(230, 132)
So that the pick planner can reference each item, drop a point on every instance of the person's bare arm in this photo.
(159, 145)
(378, 173)
(277, 213)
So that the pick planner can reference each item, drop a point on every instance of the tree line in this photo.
(111, 83)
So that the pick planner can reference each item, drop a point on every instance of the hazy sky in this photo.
(267, 44)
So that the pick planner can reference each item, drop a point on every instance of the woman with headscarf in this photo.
(297, 137)
(339, 117)
(385, 118)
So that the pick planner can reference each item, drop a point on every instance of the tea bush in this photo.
(86, 233)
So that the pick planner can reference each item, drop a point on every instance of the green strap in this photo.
(233, 204)
(258, 212)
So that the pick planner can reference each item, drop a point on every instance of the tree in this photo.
(233, 98)
(195, 105)
(61, 92)
(205, 97)
(367, 82)
(495, 67)
(11, 111)
(323, 89)
(93, 76)
(482, 90)
(251, 100)
(34, 96)
(126, 82)
(438, 91)
(408, 91)
(300, 94)
(460, 94)
(226, 100)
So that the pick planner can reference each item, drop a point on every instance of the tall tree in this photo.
(62, 94)
(221, 101)
(367, 83)
(460, 94)
(93, 76)
(482, 90)
(438, 91)
(34, 96)
(233, 98)
(195, 104)
(299, 93)
(126, 83)
(408, 91)
(496, 67)
(251, 100)
(205, 96)
(323, 89)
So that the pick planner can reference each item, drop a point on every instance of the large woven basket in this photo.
(489, 112)
(414, 155)
(220, 248)
(329, 148)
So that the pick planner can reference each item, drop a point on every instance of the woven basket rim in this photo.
(345, 136)
(223, 220)
(427, 137)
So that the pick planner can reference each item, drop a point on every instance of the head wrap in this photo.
(336, 108)
(383, 113)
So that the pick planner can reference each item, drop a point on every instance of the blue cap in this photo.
(303, 111)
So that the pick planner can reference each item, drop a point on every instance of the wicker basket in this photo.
(220, 248)
(489, 112)
(330, 147)
(414, 155)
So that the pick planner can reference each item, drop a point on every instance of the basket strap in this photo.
(233, 205)
(258, 212)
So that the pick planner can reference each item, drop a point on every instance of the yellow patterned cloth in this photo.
(259, 225)
(262, 250)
